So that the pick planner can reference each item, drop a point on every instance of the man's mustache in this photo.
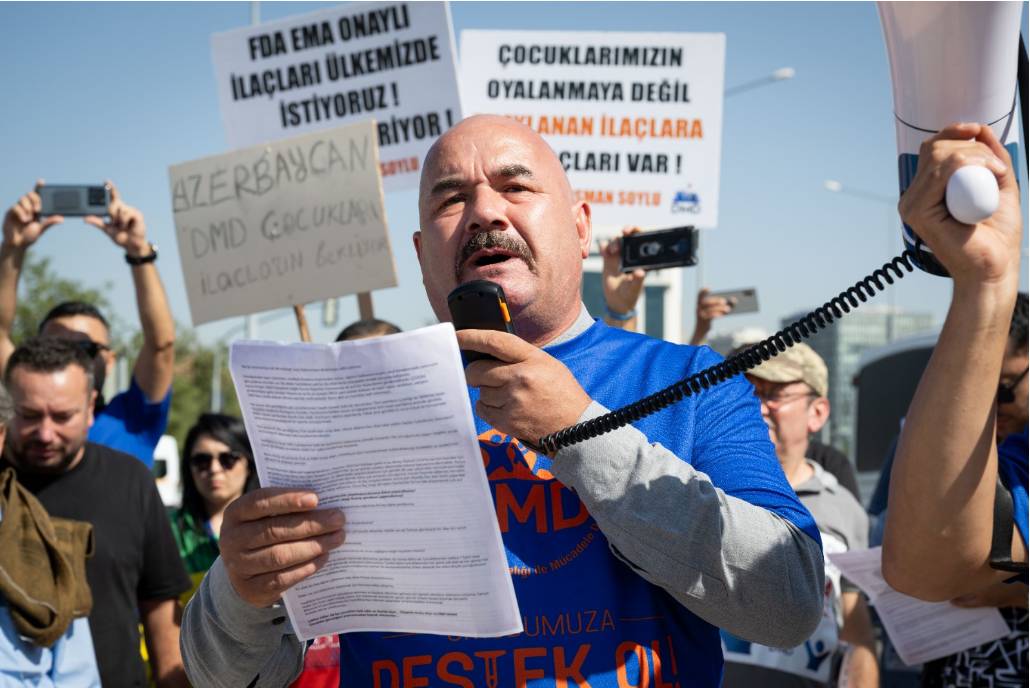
(496, 239)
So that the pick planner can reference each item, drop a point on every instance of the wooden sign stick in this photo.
(302, 323)
(365, 305)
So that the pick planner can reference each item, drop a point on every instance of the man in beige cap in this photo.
(792, 388)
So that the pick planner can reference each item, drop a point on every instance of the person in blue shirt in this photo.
(134, 420)
(956, 518)
(627, 551)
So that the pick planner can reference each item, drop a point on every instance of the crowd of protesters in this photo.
(97, 573)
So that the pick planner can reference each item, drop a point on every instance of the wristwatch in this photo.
(142, 260)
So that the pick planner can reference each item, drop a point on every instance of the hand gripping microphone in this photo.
(952, 62)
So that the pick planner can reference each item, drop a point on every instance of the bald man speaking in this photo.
(628, 551)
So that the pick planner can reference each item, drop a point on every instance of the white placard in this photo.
(392, 62)
(636, 118)
(282, 224)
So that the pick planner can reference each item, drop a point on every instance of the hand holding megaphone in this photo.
(971, 194)
(947, 162)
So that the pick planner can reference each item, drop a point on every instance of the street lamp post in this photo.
(781, 74)
(891, 204)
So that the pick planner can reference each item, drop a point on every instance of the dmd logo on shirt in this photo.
(527, 496)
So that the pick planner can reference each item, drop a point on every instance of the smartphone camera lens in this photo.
(95, 195)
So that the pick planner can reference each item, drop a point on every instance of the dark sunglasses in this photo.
(202, 460)
(90, 347)
(1006, 394)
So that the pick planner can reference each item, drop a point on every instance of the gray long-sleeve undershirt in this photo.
(735, 565)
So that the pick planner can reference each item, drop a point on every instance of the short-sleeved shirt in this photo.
(844, 525)
(131, 423)
(835, 462)
(135, 557)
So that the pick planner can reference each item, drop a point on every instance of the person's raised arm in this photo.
(22, 227)
(940, 513)
(621, 289)
(156, 362)
(709, 308)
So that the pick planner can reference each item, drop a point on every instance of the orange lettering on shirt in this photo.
(444, 673)
(409, 664)
(563, 673)
(523, 673)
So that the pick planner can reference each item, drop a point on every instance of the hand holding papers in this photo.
(382, 429)
(921, 631)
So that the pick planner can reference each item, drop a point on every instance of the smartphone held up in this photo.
(74, 200)
(665, 248)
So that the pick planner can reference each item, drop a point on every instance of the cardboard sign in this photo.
(282, 224)
(392, 62)
(635, 118)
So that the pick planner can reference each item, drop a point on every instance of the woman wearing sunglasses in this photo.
(217, 467)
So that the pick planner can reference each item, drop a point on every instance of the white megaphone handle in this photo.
(972, 194)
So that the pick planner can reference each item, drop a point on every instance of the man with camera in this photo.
(134, 420)
(653, 535)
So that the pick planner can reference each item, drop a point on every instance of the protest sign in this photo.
(392, 62)
(282, 224)
(635, 118)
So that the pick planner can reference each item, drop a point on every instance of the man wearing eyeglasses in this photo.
(792, 388)
(134, 420)
(135, 575)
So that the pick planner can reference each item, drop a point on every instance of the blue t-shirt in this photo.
(1012, 469)
(132, 424)
(587, 617)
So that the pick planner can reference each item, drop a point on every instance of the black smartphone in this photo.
(665, 248)
(74, 200)
(479, 305)
(746, 300)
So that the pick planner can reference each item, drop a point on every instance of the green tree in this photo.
(40, 289)
(191, 388)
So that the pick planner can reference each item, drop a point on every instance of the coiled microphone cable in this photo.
(821, 317)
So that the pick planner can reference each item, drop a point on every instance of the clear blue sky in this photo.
(122, 90)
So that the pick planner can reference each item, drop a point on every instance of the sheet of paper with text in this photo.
(382, 429)
(921, 631)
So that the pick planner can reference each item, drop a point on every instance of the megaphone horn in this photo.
(952, 62)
